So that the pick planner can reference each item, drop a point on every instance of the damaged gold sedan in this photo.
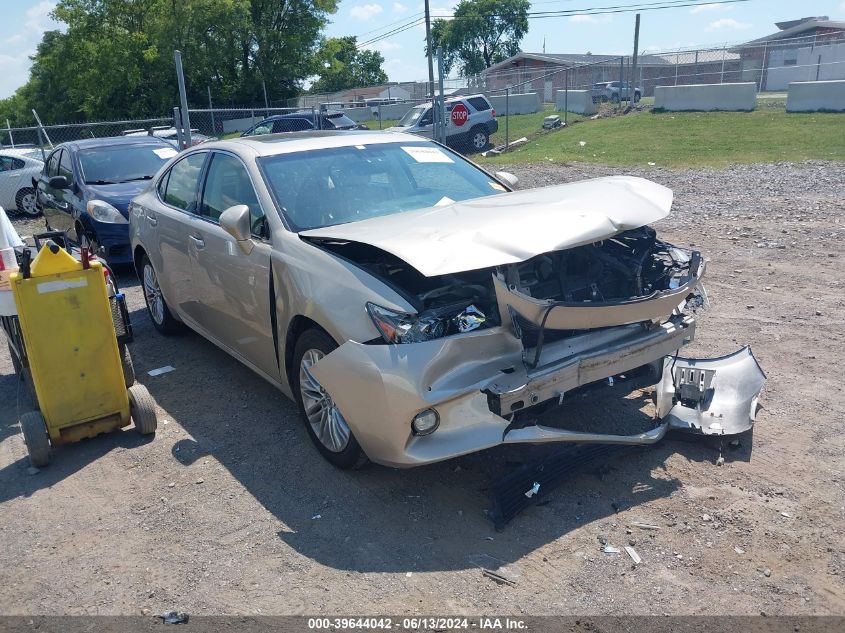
(414, 306)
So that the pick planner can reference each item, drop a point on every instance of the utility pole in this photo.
(430, 52)
(634, 61)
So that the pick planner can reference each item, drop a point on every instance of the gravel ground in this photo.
(230, 510)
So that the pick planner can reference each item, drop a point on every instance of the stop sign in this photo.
(460, 114)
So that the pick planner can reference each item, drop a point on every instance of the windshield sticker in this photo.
(444, 201)
(427, 155)
(165, 152)
(497, 186)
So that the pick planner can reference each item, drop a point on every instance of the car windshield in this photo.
(339, 120)
(411, 116)
(123, 163)
(346, 184)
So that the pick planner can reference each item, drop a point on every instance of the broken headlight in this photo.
(399, 327)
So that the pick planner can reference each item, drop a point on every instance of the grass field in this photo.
(681, 139)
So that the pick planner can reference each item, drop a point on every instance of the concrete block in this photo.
(525, 103)
(706, 97)
(578, 101)
(816, 96)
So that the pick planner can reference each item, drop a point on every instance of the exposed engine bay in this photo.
(630, 266)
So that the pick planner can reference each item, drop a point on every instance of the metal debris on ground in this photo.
(316, 516)
(739, 550)
(499, 578)
(633, 554)
(174, 617)
(646, 526)
(533, 491)
(161, 370)
(551, 122)
(609, 549)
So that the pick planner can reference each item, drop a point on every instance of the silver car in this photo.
(413, 305)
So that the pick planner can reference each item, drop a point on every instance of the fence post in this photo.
(507, 110)
(41, 127)
(183, 99)
(177, 123)
(379, 114)
(565, 95)
(722, 73)
(441, 106)
(621, 79)
(252, 117)
(11, 138)
(677, 63)
(211, 110)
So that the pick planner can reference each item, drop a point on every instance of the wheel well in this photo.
(298, 325)
(136, 259)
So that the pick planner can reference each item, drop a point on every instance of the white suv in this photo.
(470, 121)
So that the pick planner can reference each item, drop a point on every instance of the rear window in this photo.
(479, 103)
(339, 120)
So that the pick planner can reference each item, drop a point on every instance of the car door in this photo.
(11, 169)
(170, 226)
(292, 125)
(46, 194)
(234, 286)
(68, 202)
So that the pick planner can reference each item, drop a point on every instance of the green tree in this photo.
(341, 65)
(115, 58)
(481, 33)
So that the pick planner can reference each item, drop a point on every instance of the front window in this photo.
(412, 116)
(123, 163)
(340, 185)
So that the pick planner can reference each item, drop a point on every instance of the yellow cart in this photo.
(67, 326)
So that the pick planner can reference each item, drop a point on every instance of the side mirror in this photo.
(59, 182)
(508, 178)
(236, 222)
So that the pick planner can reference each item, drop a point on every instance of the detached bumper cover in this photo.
(715, 396)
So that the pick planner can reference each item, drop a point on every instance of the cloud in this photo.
(365, 12)
(398, 7)
(15, 63)
(383, 47)
(590, 19)
(701, 8)
(729, 24)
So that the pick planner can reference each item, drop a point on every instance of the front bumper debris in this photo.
(715, 396)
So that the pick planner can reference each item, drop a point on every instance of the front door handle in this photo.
(198, 242)
(152, 220)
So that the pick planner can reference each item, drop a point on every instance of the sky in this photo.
(24, 21)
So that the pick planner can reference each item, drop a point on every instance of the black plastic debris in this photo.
(174, 617)
(528, 484)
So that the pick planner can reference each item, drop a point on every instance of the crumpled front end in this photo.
(483, 350)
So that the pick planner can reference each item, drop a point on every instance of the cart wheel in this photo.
(126, 364)
(35, 435)
(142, 408)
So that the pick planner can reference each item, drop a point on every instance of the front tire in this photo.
(326, 425)
(26, 202)
(163, 320)
(35, 435)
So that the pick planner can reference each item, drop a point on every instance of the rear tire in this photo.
(142, 408)
(163, 320)
(311, 345)
(127, 365)
(26, 202)
(35, 435)
(478, 139)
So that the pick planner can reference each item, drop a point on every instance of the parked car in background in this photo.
(471, 130)
(614, 91)
(85, 187)
(413, 306)
(303, 121)
(17, 169)
(171, 135)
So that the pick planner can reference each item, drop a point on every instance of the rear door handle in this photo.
(199, 243)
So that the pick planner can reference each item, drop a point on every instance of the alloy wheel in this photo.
(152, 293)
(28, 206)
(325, 418)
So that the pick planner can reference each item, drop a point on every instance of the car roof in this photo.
(22, 152)
(110, 141)
(290, 142)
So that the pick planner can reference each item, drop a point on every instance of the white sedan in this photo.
(17, 169)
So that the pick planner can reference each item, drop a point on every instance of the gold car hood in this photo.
(510, 227)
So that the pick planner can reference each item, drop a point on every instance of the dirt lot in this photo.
(230, 509)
